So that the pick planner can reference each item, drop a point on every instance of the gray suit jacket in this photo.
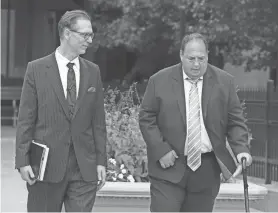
(162, 120)
(43, 116)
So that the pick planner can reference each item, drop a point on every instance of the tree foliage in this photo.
(251, 31)
(245, 30)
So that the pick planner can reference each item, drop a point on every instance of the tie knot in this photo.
(193, 81)
(70, 65)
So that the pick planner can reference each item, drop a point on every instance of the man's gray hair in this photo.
(68, 20)
(190, 37)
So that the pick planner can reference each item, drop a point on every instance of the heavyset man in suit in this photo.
(62, 106)
(187, 113)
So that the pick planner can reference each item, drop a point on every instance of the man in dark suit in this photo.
(62, 107)
(187, 113)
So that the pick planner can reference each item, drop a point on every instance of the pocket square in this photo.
(92, 89)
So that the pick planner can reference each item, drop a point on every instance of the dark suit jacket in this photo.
(162, 120)
(43, 116)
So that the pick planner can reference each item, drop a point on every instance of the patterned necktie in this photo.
(71, 89)
(194, 128)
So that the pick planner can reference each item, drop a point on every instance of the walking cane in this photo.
(245, 184)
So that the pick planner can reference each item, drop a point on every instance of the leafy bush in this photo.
(118, 173)
(125, 141)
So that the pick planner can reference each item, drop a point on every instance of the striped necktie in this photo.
(194, 128)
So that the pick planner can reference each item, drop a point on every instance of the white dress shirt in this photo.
(206, 144)
(63, 70)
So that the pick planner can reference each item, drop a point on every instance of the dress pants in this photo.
(196, 192)
(76, 194)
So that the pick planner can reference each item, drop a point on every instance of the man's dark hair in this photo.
(68, 20)
(190, 37)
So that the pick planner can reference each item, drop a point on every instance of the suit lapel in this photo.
(209, 83)
(55, 80)
(178, 88)
(84, 81)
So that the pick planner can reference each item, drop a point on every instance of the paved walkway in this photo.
(13, 190)
(14, 194)
(272, 197)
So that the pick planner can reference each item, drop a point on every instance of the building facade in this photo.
(29, 31)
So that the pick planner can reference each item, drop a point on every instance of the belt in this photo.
(206, 154)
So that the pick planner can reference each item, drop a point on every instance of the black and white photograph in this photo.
(139, 106)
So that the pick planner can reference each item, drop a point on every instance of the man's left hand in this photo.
(248, 157)
(101, 173)
(239, 166)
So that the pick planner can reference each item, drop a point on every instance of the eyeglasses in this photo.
(86, 36)
(200, 59)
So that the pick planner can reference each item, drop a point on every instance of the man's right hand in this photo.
(27, 174)
(168, 159)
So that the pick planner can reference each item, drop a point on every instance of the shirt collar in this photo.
(65, 61)
(185, 77)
